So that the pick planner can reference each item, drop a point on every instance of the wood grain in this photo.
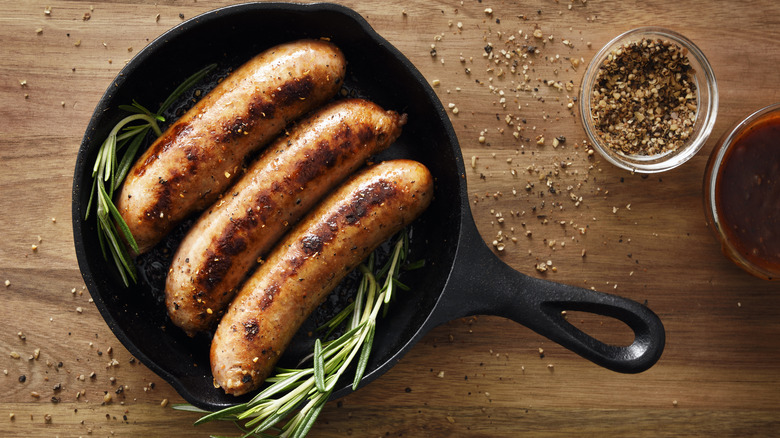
(645, 237)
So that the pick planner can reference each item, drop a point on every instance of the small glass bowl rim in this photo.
(707, 110)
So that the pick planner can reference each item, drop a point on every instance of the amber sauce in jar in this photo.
(747, 193)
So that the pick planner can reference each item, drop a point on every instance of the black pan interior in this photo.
(228, 37)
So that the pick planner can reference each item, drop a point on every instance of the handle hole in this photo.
(608, 330)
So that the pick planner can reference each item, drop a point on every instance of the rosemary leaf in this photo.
(360, 296)
(218, 415)
(364, 355)
(105, 164)
(91, 198)
(269, 421)
(383, 270)
(140, 109)
(319, 366)
(250, 433)
(370, 294)
(102, 241)
(389, 281)
(282, 385)
(99, 158)
(113, 234)
(129, 157)
(133, 109)
(343, 339)
(400, 285)
(112, 245)
(413, 265)
(189, 82)
(119, 223)
(334, 322)
(311, 416)
(129, 132)
(189, 408)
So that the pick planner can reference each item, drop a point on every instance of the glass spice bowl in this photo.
(742, 193)
(705, 96)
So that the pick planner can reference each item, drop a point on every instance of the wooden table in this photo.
(645, 237)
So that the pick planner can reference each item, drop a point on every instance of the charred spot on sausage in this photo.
(268, 297)
(259, 108)
(316, 164)
(162, 144)
(215, 266)
(311, 244)
(164, 201)
(295, 90)
(294, 263)
(231, 241)
(251, 328)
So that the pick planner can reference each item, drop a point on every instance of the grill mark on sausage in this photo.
(295, 262)
(323, 157)
(166, 189)
(162, 144)
(214, 269)
(268, 296)
(161, 204)
(219, 257)
(366, 134)
(328, 153)
(261, 107)
(295, 90)
(360, 205)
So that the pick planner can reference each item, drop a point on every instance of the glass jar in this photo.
(742, 193)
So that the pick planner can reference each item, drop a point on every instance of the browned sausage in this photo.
(308, 263)
(199, 155)
(285, 182)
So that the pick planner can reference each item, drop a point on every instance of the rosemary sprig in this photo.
(108, 174)
(296, 396)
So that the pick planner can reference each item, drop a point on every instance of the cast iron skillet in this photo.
(461, 277)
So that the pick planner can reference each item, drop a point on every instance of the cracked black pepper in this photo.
(644, 99)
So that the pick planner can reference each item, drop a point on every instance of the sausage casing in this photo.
(200, 154)
(292, 174)
(308, 263)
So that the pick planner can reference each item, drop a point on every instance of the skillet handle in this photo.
(541, 309)
(481, 283)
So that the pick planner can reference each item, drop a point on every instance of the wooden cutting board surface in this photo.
(645, 237)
